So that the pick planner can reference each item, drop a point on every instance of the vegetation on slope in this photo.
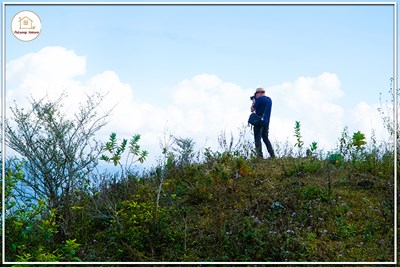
(206, 206)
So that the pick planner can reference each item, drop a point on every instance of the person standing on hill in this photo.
(262, 104)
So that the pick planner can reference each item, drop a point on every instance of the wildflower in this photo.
(321, 219)
(273, 233)
(289, 231)
(294, 214)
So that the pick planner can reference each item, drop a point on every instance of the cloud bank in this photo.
(198, 107)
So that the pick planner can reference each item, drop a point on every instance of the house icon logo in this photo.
(26, 26)
(26, 23)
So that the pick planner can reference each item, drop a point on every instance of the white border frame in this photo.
(395, 118)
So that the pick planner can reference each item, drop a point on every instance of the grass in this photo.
(233, 209)
(284, 210)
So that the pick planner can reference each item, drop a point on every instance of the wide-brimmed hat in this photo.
(260, 89)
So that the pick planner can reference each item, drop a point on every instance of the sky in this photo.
(189, 70)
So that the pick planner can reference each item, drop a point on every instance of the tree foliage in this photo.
(29, 225)
(58, 151)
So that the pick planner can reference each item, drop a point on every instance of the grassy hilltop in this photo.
(228, 208)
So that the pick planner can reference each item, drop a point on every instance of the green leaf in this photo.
(105, 158)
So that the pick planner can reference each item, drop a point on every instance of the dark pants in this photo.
(262, 132)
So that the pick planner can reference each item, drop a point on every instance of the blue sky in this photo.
(193, 68)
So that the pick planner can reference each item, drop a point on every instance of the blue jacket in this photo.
(263, 103)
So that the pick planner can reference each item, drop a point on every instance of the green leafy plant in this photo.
(297, 133)
(30, 226)
(335, 159)
(114, 149)
(358, 140)
(358, 144)
(70, 250)
(313, 149)
(135, 154)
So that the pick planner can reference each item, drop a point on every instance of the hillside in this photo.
(227, 209)
(230, 209)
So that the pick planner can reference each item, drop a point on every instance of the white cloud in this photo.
(207, 102)
(313, 102)
(118, 98)
(199, 107)
(50, 72)
(366, 118)
(52, 69)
